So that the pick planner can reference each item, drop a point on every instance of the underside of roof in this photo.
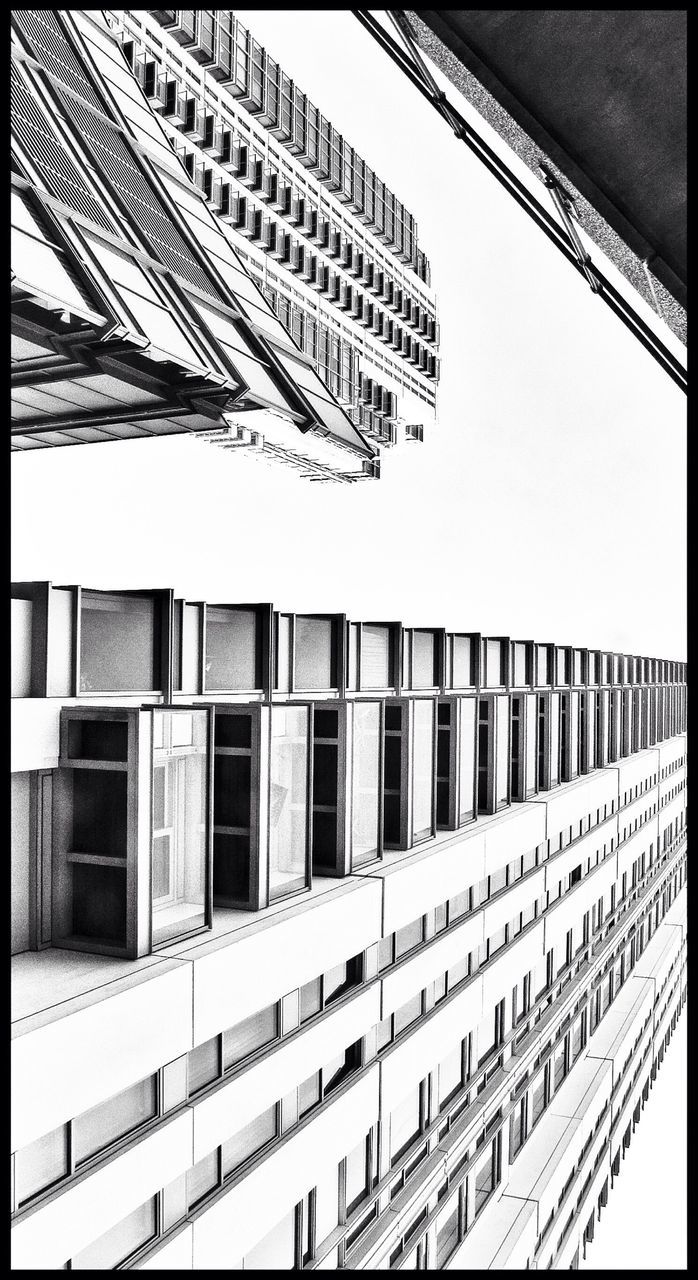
(601, 94)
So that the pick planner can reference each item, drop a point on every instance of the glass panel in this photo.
(357, 1180)
(41, 1164)
(405, 1124)
(423, 769)
(180, 822)
(310, 999)
(467, 757)
(407, 1013)
(494, 662)
(249, 1140)
(202, 1178)
(484, 1183)
(117, 643)
(313, 654)
(231, 649)
(288, 810)
(248, 1036)
(101, 1125)
(115, 1246)
(450, 1075)
(502, 788)
(409, 937)
(531, 718)
(422, 659)
(461, 662)
(308, 1094)
(365, 782)
(375, 657)
(446, 1233)
(276, 1252)
(203, 1065)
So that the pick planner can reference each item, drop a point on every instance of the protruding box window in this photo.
(131, 855)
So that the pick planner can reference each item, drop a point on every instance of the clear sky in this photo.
(548, 504)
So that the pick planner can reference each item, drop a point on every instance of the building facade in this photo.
(334, 251)
(337, 944)
(132, 313)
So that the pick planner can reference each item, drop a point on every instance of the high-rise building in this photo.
(334, 250)
(132, 314)
(338, 944)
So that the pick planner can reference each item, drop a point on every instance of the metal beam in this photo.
(411, 63)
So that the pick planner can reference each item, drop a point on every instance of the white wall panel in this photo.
(502, 973)
(509, 904)
(66, 1066)
(235, 977)
(64, 1226)
(409, 979)
(514, 831)
(425, 880)
(238, 1220)
(408, 1063)
(587, 846)
(226, 1111)
(570, 803)
(175, 1255)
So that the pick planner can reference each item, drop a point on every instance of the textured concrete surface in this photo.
(599, 96)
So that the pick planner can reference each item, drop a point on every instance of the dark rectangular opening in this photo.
(98, 740)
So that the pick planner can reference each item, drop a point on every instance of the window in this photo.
(518, 1128)
(539, 1096)
(409, 937)
(467, 759)
(232, 657)
(459, 905)
(447, 1231)
(407, 1014)
(487, 1177)
(375, 657)
(406, 1123)
(41, 1164)
(244, 1039)
(119, 636)
(423, 769)
(423, 660)
(249, 1141)
(451, 1073)
(319, 992)
(288, 810)
(366, 782)
(98, 1128)
(357, 1175)
(203, 1065)
(123, 1240)
(315, 665)
(180, 823)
